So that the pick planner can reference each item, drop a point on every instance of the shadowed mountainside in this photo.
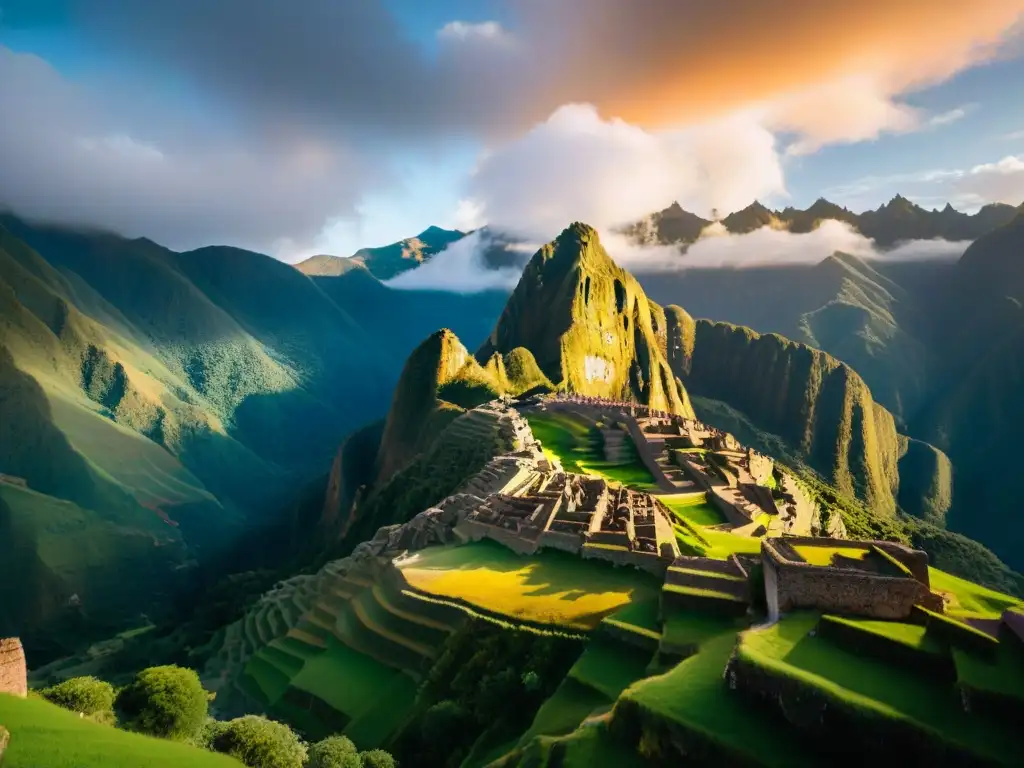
(160, 406)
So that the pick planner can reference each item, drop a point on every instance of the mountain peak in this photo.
(588, 324)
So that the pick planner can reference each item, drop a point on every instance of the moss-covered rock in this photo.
(588, 325)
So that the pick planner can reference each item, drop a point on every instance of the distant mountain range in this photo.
(896, 221)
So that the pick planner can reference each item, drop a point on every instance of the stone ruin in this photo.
(13, 672)
(877, 579)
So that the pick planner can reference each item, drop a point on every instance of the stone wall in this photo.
(792, 585)
(761, 467)
(13, 672)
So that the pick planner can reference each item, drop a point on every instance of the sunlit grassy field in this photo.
(694, 507)
(573, 441)
(45, 736)
(969, 597)
(549, 587)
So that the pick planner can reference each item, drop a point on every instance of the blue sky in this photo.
(392, 183)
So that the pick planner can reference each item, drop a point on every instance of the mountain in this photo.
(386, 261)
(589, 325)
(871, 315)
(754, 216)
(821, 408)
(160, 407)
(894, 222)
(672, 225)
(798, 221)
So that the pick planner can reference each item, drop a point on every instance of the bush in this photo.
(207, 733)
(260, 743)
(168, 702)
(334, 752)
(82, 694)
(377, 758)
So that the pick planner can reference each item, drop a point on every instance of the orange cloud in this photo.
(667, 62)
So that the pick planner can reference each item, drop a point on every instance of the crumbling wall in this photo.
(13, 672)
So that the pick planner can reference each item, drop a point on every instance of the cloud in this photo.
(767, 247)
(999, 182)
(459, 268)
(578, 166)
(283, 114)
(66, 157)
(952, 116)
(1013, 136)
(663, 63)
(463, 30)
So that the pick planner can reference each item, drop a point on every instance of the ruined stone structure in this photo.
(878, 579)
(13, 672)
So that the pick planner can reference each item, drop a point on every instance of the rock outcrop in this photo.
(13, 672)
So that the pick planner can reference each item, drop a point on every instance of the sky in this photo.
(323, 126)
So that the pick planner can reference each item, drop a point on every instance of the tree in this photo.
(377, 758)
(260, 743)
(164, 701)
(334, 752)
(82, 694)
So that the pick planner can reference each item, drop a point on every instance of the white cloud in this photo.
(1013, 136)
(465, 30)
(999, 182)
(945, 118)
(845, 110)
(767, 246)
(459, 268)
(578, 166)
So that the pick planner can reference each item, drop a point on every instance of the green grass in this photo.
(572, 440)
(549, 588)
(913, 636)
(690, 629)
(969, 597)
(347, 680)
(724, 544)
(46, 736)
(271, 680)
(694, 508)
(641, 614)
(1003, 675)
(693, 694)
(875, 688)
(568, 706)
(610, 666)
(388, 712)
(823, 555)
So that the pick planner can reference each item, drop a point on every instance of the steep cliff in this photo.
(926, 481)
(818, 405)
(589, 325)
(438, 380)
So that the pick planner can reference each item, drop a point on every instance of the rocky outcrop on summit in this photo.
(589, 325)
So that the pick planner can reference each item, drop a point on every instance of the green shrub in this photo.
(260, 743)
(377, 758)
(82, 694)
(208, 731)
(168, 702)
(334, 752)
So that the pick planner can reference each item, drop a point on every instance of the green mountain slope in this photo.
(589, 325)
(818, 405)
(177, 401)
(388, 260)
(870, 315)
